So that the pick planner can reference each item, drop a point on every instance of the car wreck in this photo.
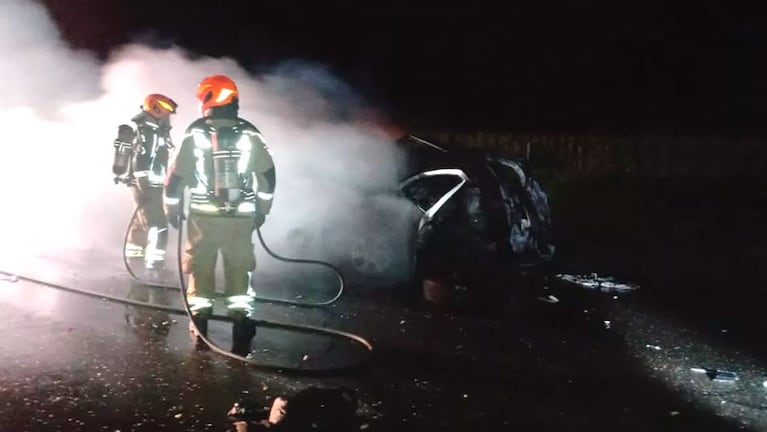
(482, 216)
(471, 213)
(455, 218)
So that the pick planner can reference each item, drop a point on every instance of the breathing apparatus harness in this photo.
(124, 149)
(127, 148)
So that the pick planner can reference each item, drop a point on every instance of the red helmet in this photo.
(158, 106)
(216, 90)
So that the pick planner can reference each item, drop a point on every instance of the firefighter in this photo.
(227, 166)
(140, 162)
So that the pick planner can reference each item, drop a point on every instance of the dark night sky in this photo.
(572, 66)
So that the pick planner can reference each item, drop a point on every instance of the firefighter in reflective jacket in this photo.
(141, 161)
(225, 163)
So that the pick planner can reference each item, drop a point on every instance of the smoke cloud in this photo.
(59, 113)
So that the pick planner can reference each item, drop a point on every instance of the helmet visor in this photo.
(170, 108)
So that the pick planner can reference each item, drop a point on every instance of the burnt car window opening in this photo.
(426, 191)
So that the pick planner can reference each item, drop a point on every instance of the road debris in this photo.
(716, 374)
(601, 283)
(549, 299)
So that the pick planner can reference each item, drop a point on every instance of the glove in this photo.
(174, 215)
(260, 219)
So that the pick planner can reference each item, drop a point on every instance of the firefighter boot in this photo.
(199, 326)
(243, 331)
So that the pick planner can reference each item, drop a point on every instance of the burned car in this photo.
(483, 216)
(475, 214)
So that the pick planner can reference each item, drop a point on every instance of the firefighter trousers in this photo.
(232, 236)
(148, 235)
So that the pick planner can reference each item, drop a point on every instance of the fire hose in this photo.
(318, 330)
(262, 323)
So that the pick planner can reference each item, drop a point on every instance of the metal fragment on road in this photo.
(594, 281)
(549, 299)
(716, 374)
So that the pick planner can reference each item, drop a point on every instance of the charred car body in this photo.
(482, 215)
(463, 218)
(475, 215)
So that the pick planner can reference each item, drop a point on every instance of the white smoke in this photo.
(59, 113)
(37, 67)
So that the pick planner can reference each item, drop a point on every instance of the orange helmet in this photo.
(158, 105)
(216, 90)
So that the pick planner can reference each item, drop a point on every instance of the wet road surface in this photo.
(75, 363)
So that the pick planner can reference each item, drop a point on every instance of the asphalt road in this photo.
(77, 363)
